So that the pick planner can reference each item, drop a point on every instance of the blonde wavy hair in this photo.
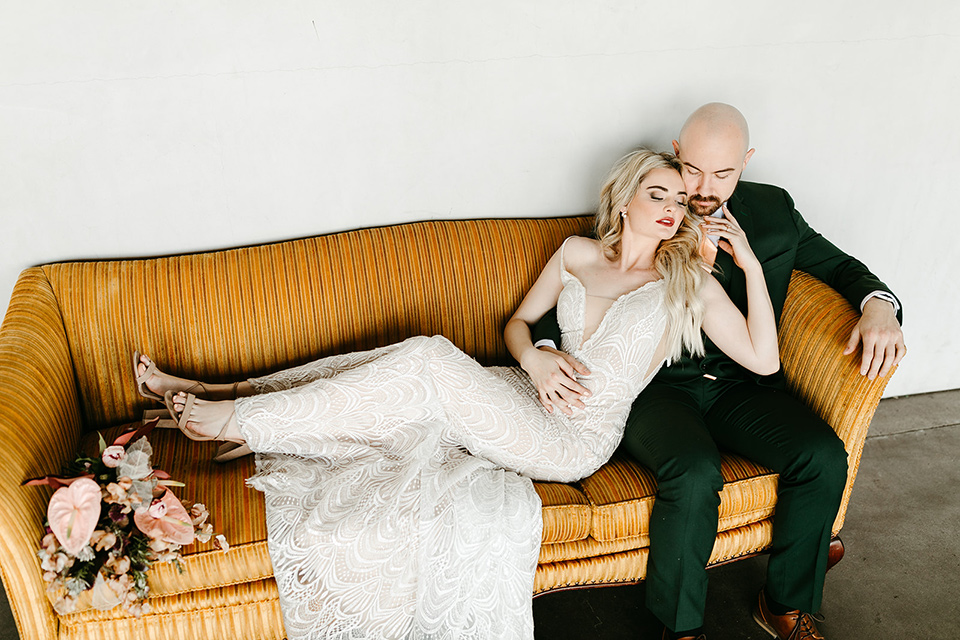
(677, 260)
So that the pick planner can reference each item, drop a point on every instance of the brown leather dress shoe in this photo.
(792, 625)
(666, 636)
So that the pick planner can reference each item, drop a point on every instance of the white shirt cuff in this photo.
(547, 342)
(883, 295)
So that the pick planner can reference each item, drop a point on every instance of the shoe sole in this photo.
(763, 624)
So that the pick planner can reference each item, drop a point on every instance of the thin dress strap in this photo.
(563, 264)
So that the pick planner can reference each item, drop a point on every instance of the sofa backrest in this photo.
(226, 315)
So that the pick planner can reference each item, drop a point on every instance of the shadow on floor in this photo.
(612, 613)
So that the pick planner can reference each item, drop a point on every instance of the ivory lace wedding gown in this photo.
(398, 481)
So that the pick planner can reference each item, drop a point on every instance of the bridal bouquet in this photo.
(109, 520)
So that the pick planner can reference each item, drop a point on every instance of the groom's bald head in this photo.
(714, 147)
(716, 123)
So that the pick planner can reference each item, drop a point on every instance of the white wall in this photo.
(143, 128)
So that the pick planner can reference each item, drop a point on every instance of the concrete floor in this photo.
(900, 578)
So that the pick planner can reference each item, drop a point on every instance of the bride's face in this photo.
(657, 208)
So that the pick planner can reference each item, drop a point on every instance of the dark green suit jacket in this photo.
(782, 241)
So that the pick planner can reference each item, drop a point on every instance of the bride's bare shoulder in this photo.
(581, 251)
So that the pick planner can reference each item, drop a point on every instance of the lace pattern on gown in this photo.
(398, 480)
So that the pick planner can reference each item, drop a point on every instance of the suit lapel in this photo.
(743, 214)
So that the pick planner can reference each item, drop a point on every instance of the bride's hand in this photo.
(732, 239)
(554, 373)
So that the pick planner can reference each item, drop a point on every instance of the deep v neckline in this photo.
(606, 313)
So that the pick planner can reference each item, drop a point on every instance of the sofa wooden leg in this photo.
(835, 553)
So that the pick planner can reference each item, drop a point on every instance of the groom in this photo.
(696, 405)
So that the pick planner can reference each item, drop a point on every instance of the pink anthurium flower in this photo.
(165, 519)
(73, 513)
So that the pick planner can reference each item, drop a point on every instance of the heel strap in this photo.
(143, 377)
(226, 423)
(184, 416)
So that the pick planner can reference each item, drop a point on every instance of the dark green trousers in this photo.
(676, 430)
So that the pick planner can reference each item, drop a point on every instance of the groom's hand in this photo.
(882, 339)
(554, 374)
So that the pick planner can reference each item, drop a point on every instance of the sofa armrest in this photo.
(814, 329)
(40, 430)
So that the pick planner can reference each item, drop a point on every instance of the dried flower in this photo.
(168, 556)
(57, 562)
(142, 493)
(204, 532)
(103, 539)
(113, 455)
(65, 605)
(103, 597)
(118, 564)
(159, 545)
(138, 608)
(222, 543)
(86, 554)
(198, 514)
(114, 493)
(76, 586)
(122, 584)
(49, 543)
(118, 515)
(136, 463)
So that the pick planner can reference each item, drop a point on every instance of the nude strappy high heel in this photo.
(231, 451)
(198, 388)
(227, 452)
(183, 417)
(142, 378)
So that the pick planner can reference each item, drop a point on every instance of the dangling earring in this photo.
(623, 213)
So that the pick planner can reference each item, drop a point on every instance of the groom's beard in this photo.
(703, 205)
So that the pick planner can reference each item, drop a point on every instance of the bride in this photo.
(398, 481)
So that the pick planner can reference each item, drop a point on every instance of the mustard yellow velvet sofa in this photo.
(65, 353)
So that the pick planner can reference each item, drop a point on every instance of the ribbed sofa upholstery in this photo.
(65, 353)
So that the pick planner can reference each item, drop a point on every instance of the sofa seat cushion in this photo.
(236, 511)
(622, 492)
(249, 610)
(608, 512)
(603, 563)
(566, 512)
